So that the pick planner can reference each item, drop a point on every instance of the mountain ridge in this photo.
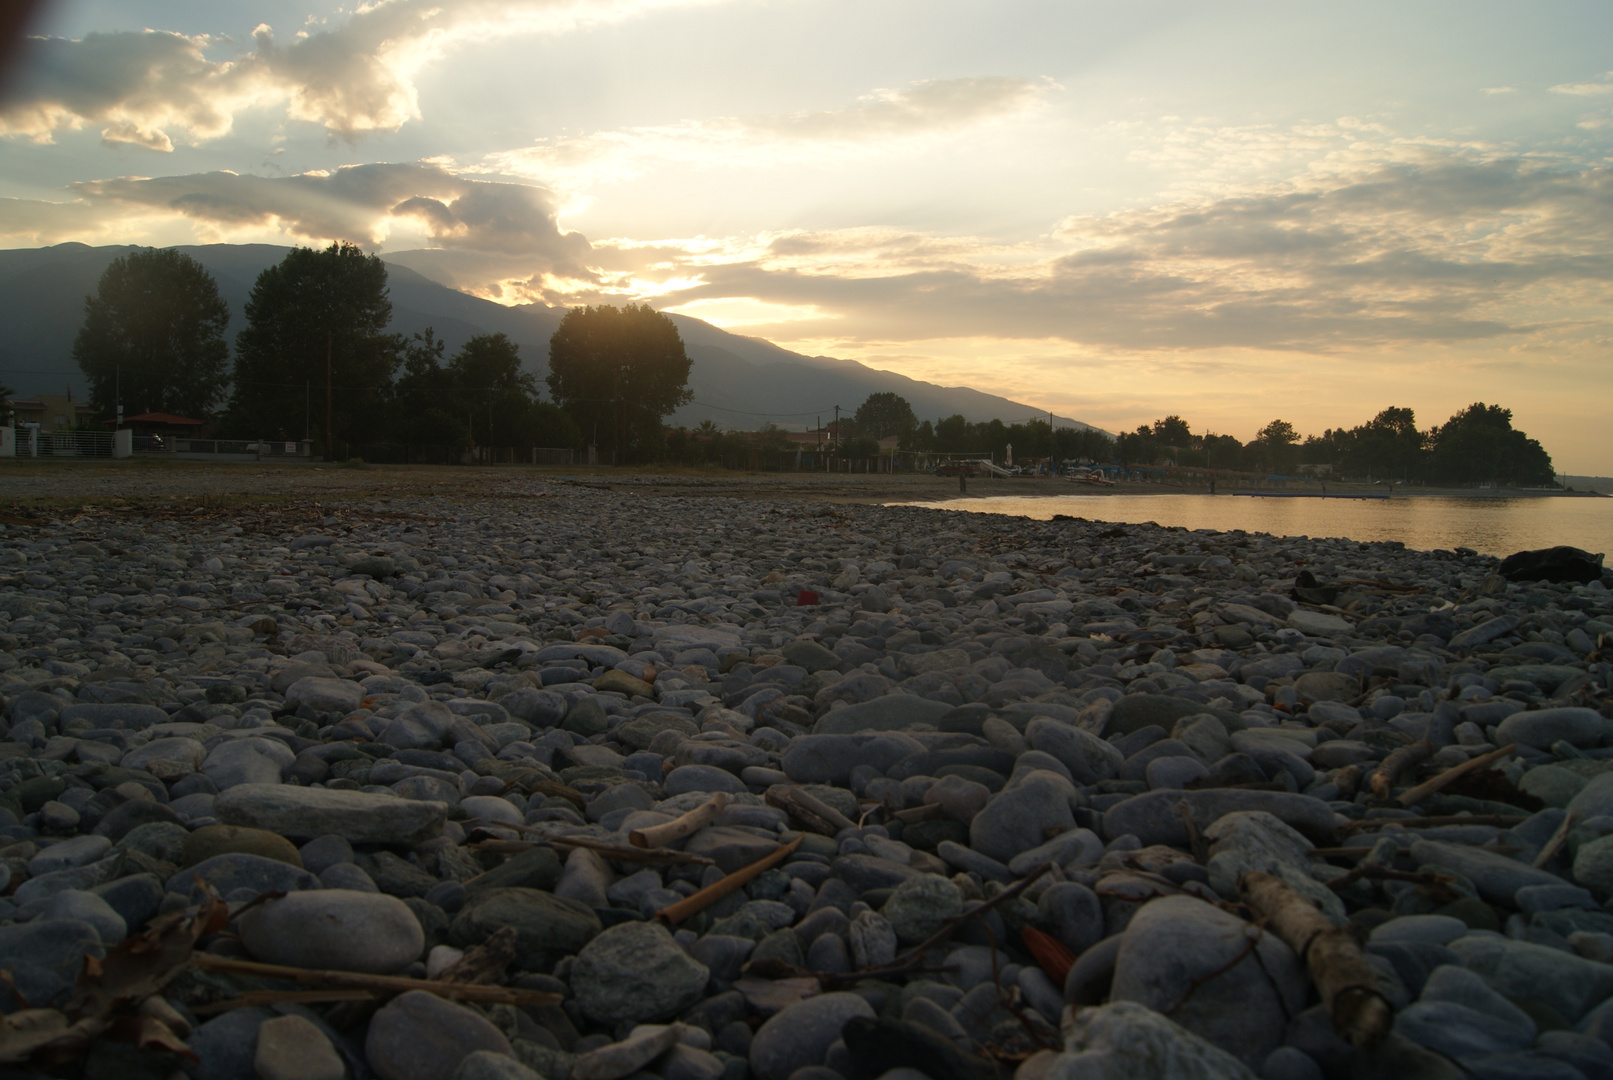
(739, 382)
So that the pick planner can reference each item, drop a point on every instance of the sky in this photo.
(1233, 212)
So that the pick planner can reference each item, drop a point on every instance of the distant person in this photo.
(1212, 487)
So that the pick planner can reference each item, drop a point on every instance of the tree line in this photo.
(1477, 445)
(316, 360)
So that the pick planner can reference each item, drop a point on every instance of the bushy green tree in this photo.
(493, 390)
(153, 336)
(920, 437)
(1173, 431)
(1275, 446)
(1224, 452)
(427, 407)
(1387, 446)
(953, 436)
(618, 372)
(481, 397)
(1480, 445)
(316, 312)
(883, 415)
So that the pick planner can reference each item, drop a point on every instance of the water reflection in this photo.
(1492, 526)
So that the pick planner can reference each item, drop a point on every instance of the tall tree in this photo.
(953, 436)
(1389, 445)
(428, 410)
(495, 393)
(153, 336)
(1480, 445)
(618, 372)
(1275, 445)
(884, 414)
(1173, 432)
(317, 319)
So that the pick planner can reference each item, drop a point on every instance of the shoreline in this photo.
(52, 494)
(98, 482)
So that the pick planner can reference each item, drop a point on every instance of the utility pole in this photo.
(837, 429)
(330, 447)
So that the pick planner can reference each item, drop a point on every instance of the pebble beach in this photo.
(488, 775)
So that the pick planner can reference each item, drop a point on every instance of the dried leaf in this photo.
(141, 965)
(1052, 954)
(31, 1032)
(484, 963)
(147, 1032)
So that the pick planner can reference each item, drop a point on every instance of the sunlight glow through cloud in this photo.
(1105, 210)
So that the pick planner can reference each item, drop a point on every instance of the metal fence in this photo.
(70, 444)
(223, 449)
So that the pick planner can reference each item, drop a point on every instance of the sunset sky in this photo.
(1230, 211)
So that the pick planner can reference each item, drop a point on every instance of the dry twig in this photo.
(813, 813)
(610, 851)
(1399, 761)
(1503, 821)
(1344, 978)
(673, 914)
(681, 827)
(1449, 776)
(381, 984)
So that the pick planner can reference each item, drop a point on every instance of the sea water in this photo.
(1494, 526)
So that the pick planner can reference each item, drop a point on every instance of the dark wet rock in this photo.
(43, 959)
(1554, 564)
(419, 1036)
(334, 929)
(359, 817)
(1182, 954)
(801, 1034)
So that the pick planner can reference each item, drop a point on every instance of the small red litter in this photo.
(806, 598)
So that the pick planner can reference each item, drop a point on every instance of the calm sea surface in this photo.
(1493, 526)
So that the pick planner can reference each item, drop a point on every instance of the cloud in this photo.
(362, 203)
(1432, 245)
(1586, 89)
(1498, 90)
(934, 108)
(1379, 247)
(357, 77)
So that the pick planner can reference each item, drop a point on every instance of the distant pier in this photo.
(1302, 495)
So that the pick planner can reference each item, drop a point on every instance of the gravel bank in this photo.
(436, 723)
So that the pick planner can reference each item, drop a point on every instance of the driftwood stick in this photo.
(610, 851)
(1558, 839)
(673, 914)
(811, 812)
(1195, 839)
(913, 959)
(681, 827)
(1432, 883)
(1428, 787)
(383, 984)
(1332, 955)
(915, 814)
(1402, 760)
(1501, 821)
(247, 998)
